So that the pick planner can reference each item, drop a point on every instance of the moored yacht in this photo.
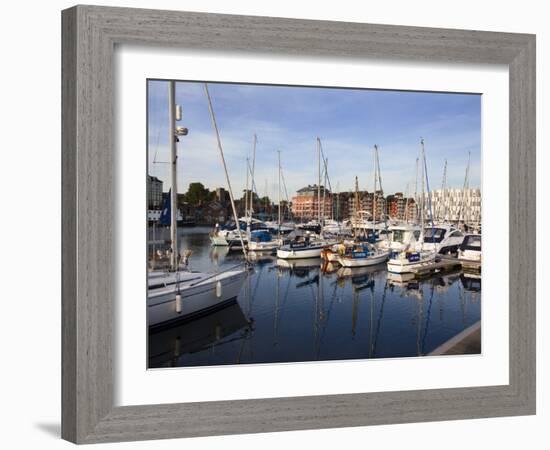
(406, 261)
(401, 237)
(469, 252)
(263, 241)
(361, 255)
(302, 246)
(175, 296)
(179, 293)
(442, 238)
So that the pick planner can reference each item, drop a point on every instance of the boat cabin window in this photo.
(398, 235)
(471, 243)
(434, 235)
(457, 233)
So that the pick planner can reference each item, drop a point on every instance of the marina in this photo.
(304, 310)
(322, 275)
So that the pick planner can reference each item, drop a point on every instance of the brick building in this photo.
(305, 205)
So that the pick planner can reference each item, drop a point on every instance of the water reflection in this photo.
(169, 347)
(302, 310)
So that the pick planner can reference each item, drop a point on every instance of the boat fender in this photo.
(219, 289)
(178, 303)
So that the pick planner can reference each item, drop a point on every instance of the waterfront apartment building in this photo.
(365, 203)
(400, 207)
(306, 204)
(456, 205)
(154, 192)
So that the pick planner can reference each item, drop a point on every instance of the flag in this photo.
(165, 215)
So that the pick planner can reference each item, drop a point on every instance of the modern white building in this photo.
(456, 205)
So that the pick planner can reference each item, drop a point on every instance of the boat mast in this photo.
(464, 187)
(252, 175)
(422, 175)
(356, 203)
(406, 215)
(319, 181)
(172, 138)
(246, 193)
(384, 212)
(442, 203)
(374, 196)
(279, 186)
(325, 162)
(416, 192)
(218, 140)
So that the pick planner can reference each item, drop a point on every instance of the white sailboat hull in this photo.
(363, 262)
(309, 252)
(263, 246)
(197, 299)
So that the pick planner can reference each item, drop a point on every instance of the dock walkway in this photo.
(467, 342)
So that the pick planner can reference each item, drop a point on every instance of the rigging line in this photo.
(215, 126)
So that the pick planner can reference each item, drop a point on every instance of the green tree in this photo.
(198, 194)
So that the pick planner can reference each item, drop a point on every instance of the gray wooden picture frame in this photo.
(90, 34)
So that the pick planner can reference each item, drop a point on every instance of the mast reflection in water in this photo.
(291, 311)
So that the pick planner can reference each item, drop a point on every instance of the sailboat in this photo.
(179, 293)
(307, 244)
(415, 255)
(363, 253)
(263, 240)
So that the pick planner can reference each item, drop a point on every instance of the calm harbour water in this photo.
(294, 311)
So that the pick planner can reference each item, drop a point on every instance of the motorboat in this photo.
(469, 252)
(401, 237)
(406, 261)
(442, 238)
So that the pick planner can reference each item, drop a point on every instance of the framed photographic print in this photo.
(264, 229)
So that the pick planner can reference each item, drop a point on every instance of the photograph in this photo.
(294, 224)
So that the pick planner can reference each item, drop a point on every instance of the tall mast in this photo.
(356, 203)
(417, 203)
(406, 214)
(252, 175)
(319, 180)
(279, 185)
(266, 197)
(173, 174)
(338, 202)
(325, 161)
(464, 187)
(422, 184)
(374, 195)
(246, 192)
(384, 211)
(442, 202)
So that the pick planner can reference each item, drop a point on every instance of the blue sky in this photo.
(348, 121)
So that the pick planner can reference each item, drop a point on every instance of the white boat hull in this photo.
(196, 300)
(263, 246)
(219, 241)
(310, 252)
(363, 262)
(405, 266)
